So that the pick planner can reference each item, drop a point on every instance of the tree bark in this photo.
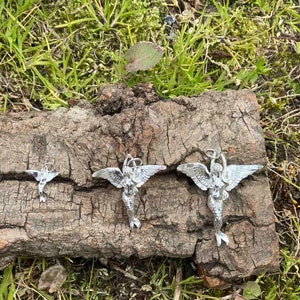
(84, 216)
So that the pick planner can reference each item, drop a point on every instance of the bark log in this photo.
(83, 216)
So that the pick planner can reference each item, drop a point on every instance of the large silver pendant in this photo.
(219, 180)
(132, 176)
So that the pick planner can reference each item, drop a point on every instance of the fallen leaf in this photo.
(142, 56)
(212, 282)
(52, 278)
(252, 290)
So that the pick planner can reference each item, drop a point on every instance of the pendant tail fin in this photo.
(221, 236)
(42, 198)
(134, 222)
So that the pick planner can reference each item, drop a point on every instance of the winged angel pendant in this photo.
(219, 180)
(132, 176)
(42, 177)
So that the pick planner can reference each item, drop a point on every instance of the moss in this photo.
(65, 49)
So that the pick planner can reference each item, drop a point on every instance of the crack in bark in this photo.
(168, 138)
(246, 124)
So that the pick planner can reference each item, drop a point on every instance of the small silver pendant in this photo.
(43, 176)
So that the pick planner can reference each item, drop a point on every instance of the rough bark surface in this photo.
(83, 216)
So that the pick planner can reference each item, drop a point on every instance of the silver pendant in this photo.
(132, 176)
(219, 180)
(43, 176)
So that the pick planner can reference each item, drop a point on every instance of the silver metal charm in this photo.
(132, 176)
(43, 176)
(219, 180)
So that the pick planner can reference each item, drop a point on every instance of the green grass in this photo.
(54, 51)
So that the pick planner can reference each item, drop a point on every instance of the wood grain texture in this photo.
(84, 216)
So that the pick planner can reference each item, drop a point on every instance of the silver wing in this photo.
(143, 173)
(235, 173)
(113, 175)
(199, 173)
(51, 175)
(36, 174)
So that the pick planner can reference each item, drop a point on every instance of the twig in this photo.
(178, 278)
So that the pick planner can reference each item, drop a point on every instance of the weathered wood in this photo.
(85, 217)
